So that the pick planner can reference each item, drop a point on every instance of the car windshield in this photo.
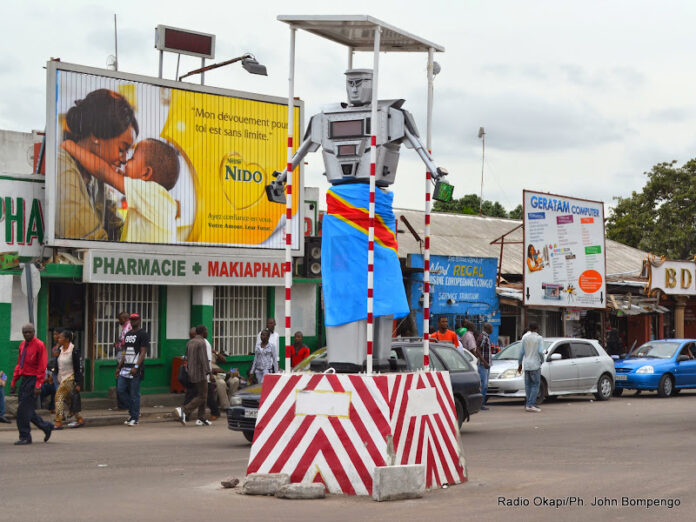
(304, 364)
(512, 351)
(656, 350)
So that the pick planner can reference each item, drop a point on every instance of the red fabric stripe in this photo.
(426, 336)
(373, 140)
(360, 217)
(289, 189)
(427, 174)
(369, 318)
(287, 322)
(426, 313)
(370, 293)
(287, 293)
(287, 266)
(370, 245)
(372, 197)
(426, 264)
(426, 288)
(427, 219)
(426, 361)
(372, 169)
(290, 142)
(369, 347)
(427, 242)
(370, 268)
(288, 213)
(427, 196)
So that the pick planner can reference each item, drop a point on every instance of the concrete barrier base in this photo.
(398, 482)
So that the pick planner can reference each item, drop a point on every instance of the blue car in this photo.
(667, 366)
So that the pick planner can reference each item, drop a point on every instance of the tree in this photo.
(660, 219)
(516, 213)
(470, 204)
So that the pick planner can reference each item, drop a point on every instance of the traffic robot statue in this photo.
(343, 131)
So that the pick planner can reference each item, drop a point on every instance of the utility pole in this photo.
(482, 135)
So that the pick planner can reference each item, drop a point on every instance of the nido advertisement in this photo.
(145, 161)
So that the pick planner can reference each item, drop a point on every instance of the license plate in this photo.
(251, 413)
(622, 377)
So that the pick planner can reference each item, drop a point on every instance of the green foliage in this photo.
(516, 213)
(470, 204)
(661, 218)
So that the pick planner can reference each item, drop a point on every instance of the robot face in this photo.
(359, 86)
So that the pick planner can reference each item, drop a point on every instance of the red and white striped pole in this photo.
(371, 230)
(426, 254)
(288, 203)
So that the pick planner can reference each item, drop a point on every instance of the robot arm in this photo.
(275, 191)
(435, 172)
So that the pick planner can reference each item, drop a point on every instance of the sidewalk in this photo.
(103, 412)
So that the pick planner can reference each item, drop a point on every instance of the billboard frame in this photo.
(52, 67)
(524, 254)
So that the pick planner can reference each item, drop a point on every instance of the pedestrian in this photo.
(218, 376)
(483, 354)
(469, 338)
(264, 357)
(274, 338)
(613, 341)
(131, 368)
(299, 351)
(30, 372)
(443, 333)
(198, 369)
(531, 357)
(3, 381)
(212, 399)
(69, 380)
(124, 326)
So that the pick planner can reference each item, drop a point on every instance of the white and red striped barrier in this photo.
(335, 428)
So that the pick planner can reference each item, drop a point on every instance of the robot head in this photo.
(359, 86)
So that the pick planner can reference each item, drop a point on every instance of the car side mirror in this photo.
(683, 358)
(555, 357)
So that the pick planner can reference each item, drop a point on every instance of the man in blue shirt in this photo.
(532, 356)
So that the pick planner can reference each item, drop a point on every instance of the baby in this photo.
(150, 174)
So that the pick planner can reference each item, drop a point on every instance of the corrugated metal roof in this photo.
(467, 235)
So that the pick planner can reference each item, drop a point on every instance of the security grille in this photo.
(239, 313)
(110, 300)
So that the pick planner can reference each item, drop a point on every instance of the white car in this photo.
(470, 357)
(571, 366)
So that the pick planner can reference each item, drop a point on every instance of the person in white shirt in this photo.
(531, 357)
(274, 339)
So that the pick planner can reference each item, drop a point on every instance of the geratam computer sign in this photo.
(564, 251)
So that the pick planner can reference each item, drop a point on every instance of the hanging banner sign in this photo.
(22, 215)
(110, 267)
(133, 160)
(564, 251)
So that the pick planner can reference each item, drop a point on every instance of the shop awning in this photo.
(635, 305)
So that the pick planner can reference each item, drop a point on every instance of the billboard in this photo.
(141, 164)
(564, 251)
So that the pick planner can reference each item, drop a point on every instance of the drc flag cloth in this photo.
(344, 256)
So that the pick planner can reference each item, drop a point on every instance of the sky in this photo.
(577, 98)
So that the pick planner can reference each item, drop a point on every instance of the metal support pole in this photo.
(161, 63)
(203, 73)
(483, 157)
(288, 200)
(351, 52)
(371, 230)
(426, 254)
(115, 44)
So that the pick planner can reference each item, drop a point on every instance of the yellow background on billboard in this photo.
(232, 147)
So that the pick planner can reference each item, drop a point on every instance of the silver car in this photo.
(571, 366)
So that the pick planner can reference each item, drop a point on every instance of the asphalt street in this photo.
(634, 453)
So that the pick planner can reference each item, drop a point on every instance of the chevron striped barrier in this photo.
(336, 428)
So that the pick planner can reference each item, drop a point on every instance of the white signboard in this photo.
(22, 215)
(564, 251)
(674, 277)
(160, 269)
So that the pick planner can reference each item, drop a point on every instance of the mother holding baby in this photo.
(104, 124)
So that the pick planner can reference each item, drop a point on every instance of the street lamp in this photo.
(482, 135)
(249, 63)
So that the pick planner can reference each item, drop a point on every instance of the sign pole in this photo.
(288, 202)
(426, 254)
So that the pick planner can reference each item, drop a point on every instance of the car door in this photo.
(685, 371)
(588, 364)
(562, 373)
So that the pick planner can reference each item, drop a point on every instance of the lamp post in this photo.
(249, 63)
(482, 135)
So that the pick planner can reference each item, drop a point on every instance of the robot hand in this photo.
(275, 191)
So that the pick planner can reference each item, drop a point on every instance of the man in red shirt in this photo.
(30, 371)
(443, 333)
(298, 351)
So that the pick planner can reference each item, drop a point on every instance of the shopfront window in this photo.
(109, 301)
(239, 313)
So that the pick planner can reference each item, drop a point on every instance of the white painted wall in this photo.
(178, 312)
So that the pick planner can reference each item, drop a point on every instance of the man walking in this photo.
(30, 371)
(120, 345)
(274, 338)
(483, 353)
(198, 368)
(131, 369)
(531, 356)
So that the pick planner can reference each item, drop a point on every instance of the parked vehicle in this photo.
(571, 366)
(666, 366)
(406, 355)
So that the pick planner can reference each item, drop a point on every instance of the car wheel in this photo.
(541, 396)
(604, 388)
(249, 435)
(461, 412)
(618, 392)
(665, 387)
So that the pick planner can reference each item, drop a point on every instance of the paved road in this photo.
(638, 447)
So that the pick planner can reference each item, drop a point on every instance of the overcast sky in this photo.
(578, 98)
